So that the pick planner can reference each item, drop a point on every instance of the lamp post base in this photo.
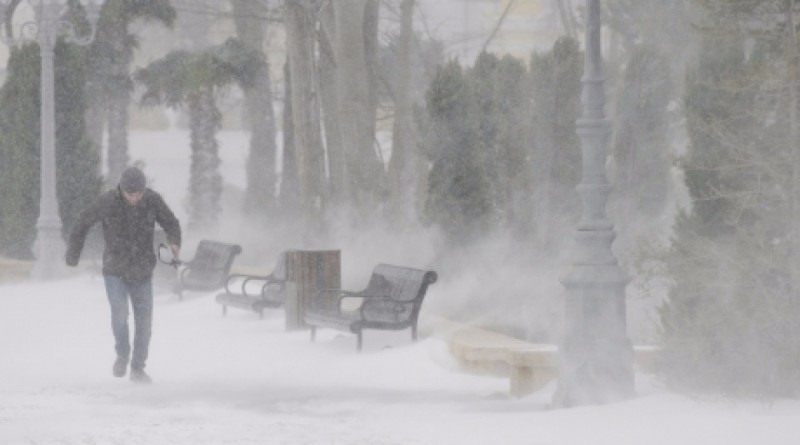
(49, 250)
(598, 376)
(596, 357)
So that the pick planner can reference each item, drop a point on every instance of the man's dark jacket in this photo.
(128, 233)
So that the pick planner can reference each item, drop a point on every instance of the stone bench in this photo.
(531, 368)
(528, 366)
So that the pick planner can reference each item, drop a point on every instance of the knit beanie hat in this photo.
(132, 180)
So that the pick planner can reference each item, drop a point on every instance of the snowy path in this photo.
(241, 380)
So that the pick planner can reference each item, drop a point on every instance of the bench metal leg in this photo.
(313, 333)
(414, 334)
(224, 310)
(359, 341)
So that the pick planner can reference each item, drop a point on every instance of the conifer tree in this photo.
(641, 158)
(729, 323)
(556, 88)
(77, 173)
(477, 138)
(459, 199)
(513, 169)
(19, 152)
(77, 180)
(501, 89)
(251, 29)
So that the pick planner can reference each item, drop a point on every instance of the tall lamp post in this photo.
(48, 23)
(596, 355)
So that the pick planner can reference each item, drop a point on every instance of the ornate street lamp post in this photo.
(47, 24)
(596, 355)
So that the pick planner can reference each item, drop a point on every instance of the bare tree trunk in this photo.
(401, 164)
(117, 97)
(543, 175)
(355, 103)
(371, 18)
(290, 188)
(251, 28)
(95, 120)
(794, 146)
(96, 96)
(205, 181)
(305, 109)
(193, 29)
(498, 25)
(337, 168)
(118, 103)
(565, 18)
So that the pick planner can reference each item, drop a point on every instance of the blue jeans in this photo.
(141, 299)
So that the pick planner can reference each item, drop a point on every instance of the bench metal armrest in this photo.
(184, 271)
(245, 279)
(330, 300)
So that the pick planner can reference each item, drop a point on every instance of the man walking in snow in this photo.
(128, 215)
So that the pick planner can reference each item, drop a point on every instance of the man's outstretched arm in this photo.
(87, 218)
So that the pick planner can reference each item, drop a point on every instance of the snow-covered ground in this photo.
(241, 380)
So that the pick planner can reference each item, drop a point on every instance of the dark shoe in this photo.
(139, 376)
(120, 366)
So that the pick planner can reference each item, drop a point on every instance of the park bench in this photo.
(391, 301)
(255, 292)
(209, 268)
